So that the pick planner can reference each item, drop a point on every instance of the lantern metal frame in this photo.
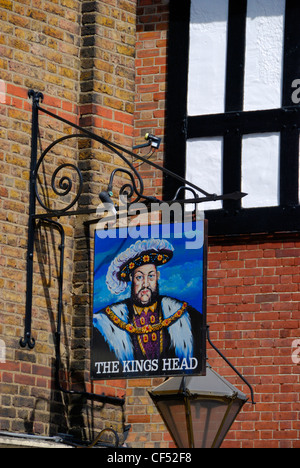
(181, 393)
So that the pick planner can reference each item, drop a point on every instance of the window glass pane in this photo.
(207, 57)
(204, 167)
(260, 170)
(264, 54)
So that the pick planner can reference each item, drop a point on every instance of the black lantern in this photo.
(198, 411)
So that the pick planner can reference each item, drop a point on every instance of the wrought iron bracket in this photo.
(65, 186)
(133, 189)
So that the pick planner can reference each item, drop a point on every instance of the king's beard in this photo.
(153, 297)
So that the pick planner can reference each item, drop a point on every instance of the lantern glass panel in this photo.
(231, 416)
(174, 415)
(207, 416)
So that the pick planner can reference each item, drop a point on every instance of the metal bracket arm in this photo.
(231, 365)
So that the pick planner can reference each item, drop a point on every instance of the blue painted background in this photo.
(181, 278)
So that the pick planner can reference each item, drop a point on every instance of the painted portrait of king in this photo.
(146, 325)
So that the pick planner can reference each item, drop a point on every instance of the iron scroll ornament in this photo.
(63, 186)
(65, 183)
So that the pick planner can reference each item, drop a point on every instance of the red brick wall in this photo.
(254, 313)
(254, 317)
(151, 75)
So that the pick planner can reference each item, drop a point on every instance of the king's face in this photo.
(144, 283)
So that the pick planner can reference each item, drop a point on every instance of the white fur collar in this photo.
(119, 340)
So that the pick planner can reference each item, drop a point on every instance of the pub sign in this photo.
(149, 302)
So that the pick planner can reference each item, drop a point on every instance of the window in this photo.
(232, 116)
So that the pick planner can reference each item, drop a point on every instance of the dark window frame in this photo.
(234, 123)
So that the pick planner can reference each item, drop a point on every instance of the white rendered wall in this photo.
(264, 54)
(260, 170)
(208, 48)
(204, 168)
(263, 89)
(207, 57)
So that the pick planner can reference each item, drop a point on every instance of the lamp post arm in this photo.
(231, 365)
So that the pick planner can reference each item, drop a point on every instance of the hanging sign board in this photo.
(149, 302)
